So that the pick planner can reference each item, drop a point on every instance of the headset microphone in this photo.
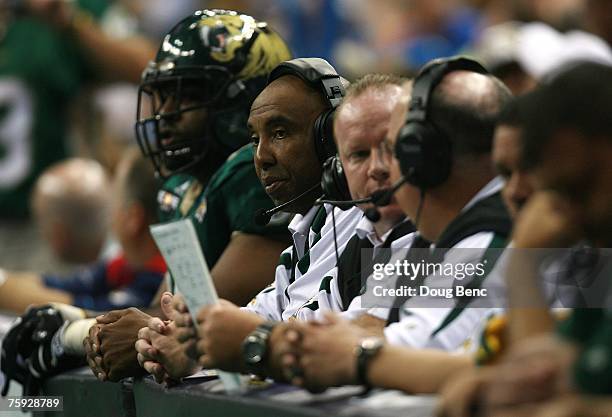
(372, 214)
(379, 198)
(382, 198)
(262, 216)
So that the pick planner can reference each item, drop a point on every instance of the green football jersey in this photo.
(41, 70)
(226, 205)
(591, 328)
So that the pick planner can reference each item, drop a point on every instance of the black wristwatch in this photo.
(255, 347)
(366, 350)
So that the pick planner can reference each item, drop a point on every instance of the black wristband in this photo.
(367, 349)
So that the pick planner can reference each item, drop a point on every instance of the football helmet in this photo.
(214, 60)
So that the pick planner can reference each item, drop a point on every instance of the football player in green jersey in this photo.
(194, 101)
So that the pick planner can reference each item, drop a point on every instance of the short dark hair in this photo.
(141, 184)
(578, 97)
(469, 125)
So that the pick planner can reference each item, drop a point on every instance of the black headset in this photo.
(320, 75)
(423, 151)
(334, 183)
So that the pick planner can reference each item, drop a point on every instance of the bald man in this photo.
(70, 202)
(130, 278)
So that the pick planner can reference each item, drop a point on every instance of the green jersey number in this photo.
(16, 114)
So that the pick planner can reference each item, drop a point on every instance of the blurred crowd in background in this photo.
(93, 116)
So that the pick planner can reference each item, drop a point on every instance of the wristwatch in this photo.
(366, 350)
(255, 347)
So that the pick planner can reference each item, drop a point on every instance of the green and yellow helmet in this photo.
(219, 56)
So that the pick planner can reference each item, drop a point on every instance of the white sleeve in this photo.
(416, 326)
(272, 301)
(437, 324)
(328, 297)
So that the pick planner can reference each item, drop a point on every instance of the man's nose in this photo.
(378, 168)
(264, 155)
(170, 108)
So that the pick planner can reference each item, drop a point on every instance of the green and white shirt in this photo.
(303, 265)
(450, 326)
(226, 205)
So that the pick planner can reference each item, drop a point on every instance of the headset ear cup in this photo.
(325, 146)
(438, 159)
(409, 153)
(333, 181)
(424, 155)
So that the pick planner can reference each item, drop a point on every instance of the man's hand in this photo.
(222, 328)
(160, 352)
(92, 352)
(185, 330)
(113, 354)
(284, 351)
(328, 353)
(536, 370)
(461, 396)
(546, 221)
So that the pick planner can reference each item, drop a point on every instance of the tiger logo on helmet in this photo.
(220, 59)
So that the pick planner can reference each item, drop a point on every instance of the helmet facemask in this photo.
(163, 100)
(214, 62)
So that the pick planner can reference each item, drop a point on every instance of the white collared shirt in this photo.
(329, 297)
(292, 295)
(421, 327)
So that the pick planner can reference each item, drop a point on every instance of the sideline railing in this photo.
(83, 395)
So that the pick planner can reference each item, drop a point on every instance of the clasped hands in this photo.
(314, 355)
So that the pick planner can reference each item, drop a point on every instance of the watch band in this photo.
(266, 327)
(258, 337)
(367, 349)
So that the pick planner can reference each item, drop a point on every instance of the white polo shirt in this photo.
(303, 265)
(329, 296)
(445, 327)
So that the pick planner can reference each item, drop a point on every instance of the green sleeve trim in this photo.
(326, 284)
(285, 260)
(319, 220)
(491, 257)
(314, 306)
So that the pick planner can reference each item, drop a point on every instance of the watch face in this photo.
(254, 350)
(371, 343)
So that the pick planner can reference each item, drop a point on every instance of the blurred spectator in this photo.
(522, 54)
(51, 48)
(70, 203)
(404, 34)
(497, 47)
(130, 278)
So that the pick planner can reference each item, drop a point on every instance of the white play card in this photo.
(180, 247)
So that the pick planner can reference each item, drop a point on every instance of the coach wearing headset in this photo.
(359, 171)
(290, 126)
(441, 132)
